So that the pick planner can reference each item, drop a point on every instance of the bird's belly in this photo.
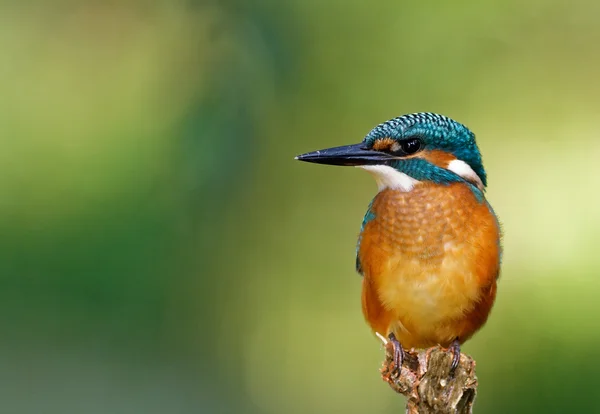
(423, 298)
(428, 264)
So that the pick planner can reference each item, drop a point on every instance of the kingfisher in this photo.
(429, 245)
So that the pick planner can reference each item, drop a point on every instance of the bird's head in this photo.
(412, 148)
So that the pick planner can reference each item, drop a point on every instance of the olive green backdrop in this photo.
(162, 252)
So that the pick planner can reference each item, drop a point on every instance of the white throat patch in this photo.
(389, 177)
(463, 169)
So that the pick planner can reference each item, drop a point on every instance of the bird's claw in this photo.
(455, 349)
(398, 357)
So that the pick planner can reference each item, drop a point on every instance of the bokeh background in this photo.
(162, 252)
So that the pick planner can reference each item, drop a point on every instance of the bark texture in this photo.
(426, 381)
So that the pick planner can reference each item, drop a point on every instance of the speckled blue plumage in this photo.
(437, 132)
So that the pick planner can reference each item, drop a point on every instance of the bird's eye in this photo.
(407, 146)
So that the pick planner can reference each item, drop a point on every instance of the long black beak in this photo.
(347, 155)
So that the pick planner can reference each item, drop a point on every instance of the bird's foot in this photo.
(398, 354)
(455, 349)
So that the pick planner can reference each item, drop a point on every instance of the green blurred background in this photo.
(162, 252)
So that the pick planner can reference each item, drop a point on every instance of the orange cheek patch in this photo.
(439, 158)
(383, 144)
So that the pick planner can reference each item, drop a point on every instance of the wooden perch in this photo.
(426, 382)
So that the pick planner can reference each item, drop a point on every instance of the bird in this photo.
(429, 248)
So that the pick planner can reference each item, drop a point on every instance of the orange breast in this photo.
(430, 260)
